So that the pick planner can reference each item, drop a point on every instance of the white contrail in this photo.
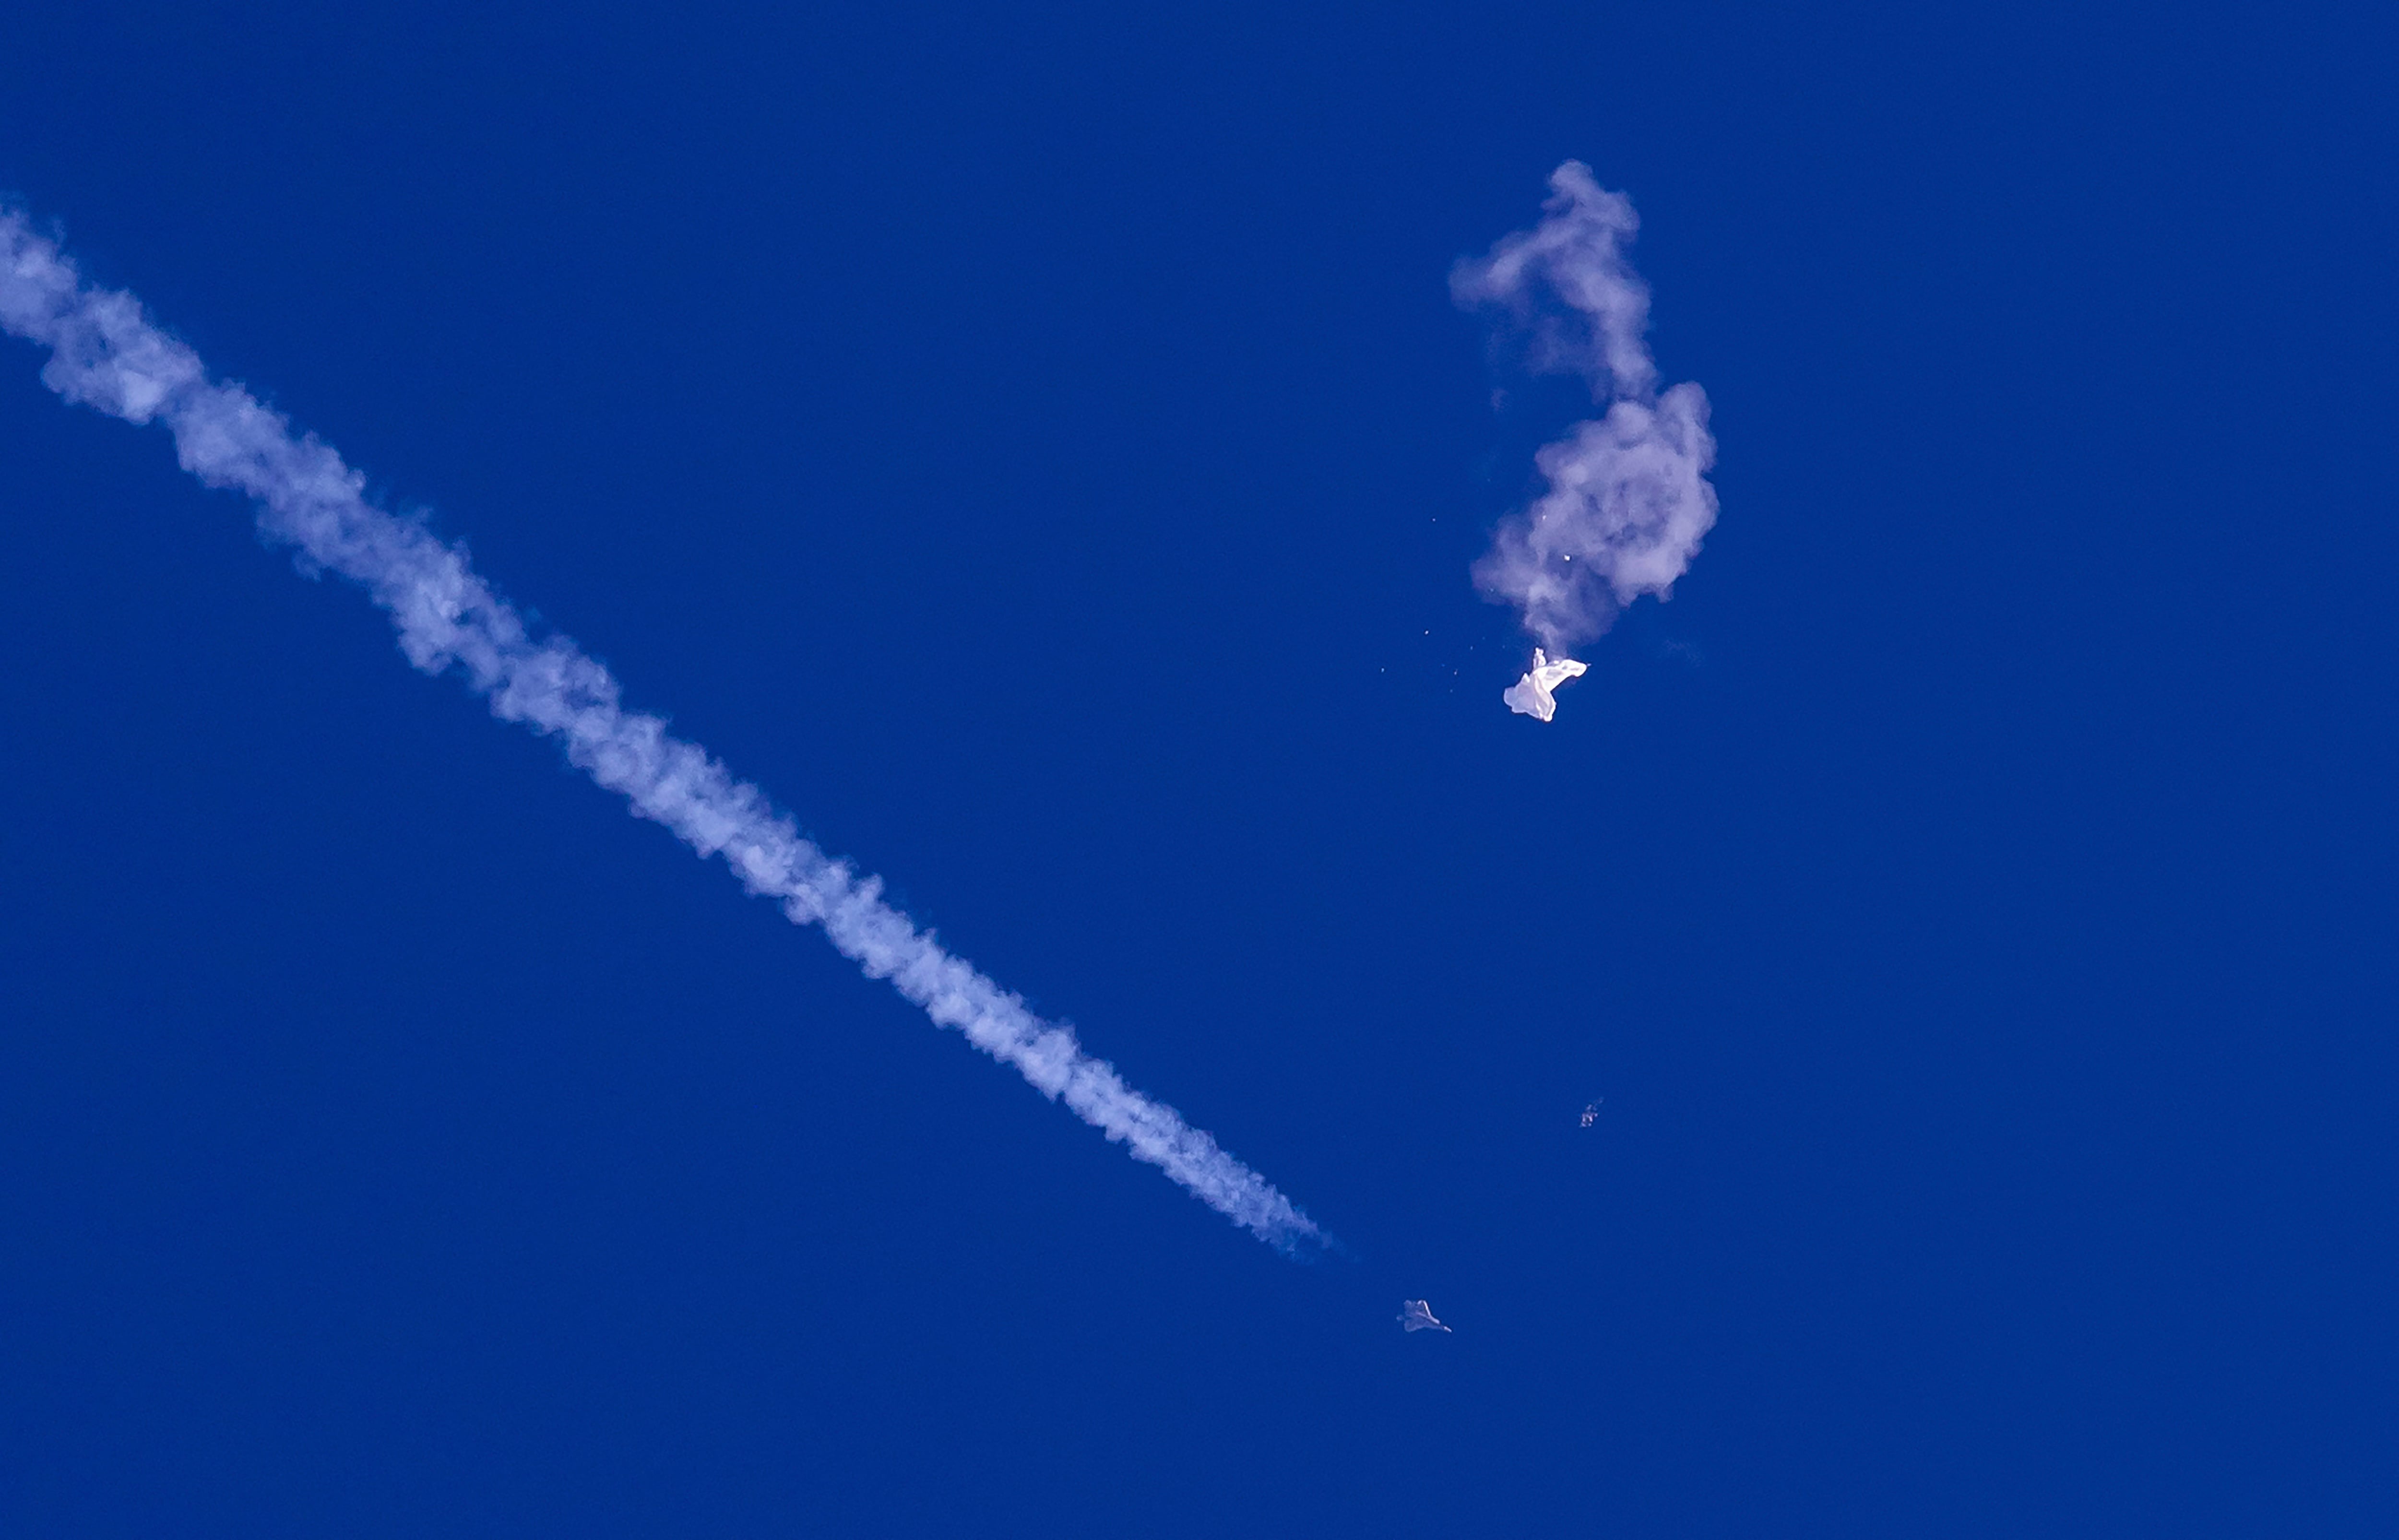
(1629, 498)
(106, 354)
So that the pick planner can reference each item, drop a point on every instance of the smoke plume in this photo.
(106, 354)
(1627, 498)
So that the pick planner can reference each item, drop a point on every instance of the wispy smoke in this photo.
(1628, 497)
(106, 354)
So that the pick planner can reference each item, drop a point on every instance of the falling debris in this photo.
(1591, 1112)
(1417, 1316)
(1530, 695)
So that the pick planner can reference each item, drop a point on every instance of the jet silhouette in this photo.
(1417, 1316)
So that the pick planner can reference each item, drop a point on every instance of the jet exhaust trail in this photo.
(106, 354)
(1627, 498)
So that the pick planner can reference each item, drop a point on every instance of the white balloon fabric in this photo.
(1530, 695)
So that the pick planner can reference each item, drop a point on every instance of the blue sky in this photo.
(1041, 451)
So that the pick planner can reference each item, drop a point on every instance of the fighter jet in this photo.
(1417, 1316)
(1530, 695)
(1590, 1114)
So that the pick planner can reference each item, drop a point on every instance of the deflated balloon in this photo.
(1530, 695)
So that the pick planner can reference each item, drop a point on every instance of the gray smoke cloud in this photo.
(1628, 499)
(106, 354)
